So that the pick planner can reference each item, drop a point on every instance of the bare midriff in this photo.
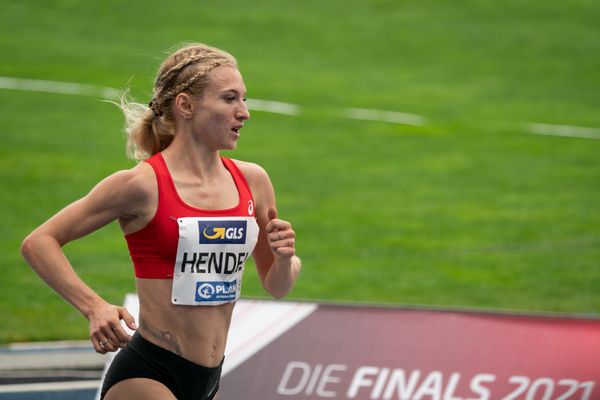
(196, 333)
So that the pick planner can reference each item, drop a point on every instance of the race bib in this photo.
(211, 255)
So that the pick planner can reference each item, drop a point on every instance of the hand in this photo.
(282, 238)
(106, 332)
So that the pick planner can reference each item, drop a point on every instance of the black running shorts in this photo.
(143, 359)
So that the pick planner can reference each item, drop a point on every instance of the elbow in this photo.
(26, 246)
(31, 246)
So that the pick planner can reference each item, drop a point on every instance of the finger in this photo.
(281, 235)
(128, 318)
(97, 346)
(110, 345)
(106, 345)
(273, 221)
(122, 336)
(285, 251)
(272, 212)
(278, 225)
(113, 341)
(279, 246)
(283, 243)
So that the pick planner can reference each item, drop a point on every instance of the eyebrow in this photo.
(237, 92)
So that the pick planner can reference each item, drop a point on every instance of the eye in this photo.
(244, 99)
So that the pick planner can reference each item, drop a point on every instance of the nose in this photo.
(243, 113)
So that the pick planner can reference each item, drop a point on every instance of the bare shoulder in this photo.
(131, 186)
(139, 179)
(135, 177)
(254, 173)
(258, 181)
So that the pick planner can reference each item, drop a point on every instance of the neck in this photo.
(192, 158)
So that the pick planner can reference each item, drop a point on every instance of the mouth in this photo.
(236, 129)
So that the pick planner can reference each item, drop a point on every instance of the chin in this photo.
(230, 146)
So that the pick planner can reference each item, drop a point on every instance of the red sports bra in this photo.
(153, 249)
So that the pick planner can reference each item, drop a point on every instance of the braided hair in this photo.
(150, 129)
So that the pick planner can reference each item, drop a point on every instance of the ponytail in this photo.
(147, 133)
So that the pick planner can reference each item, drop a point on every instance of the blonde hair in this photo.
(150, 129)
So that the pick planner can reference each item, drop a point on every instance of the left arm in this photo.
(283, 271)
(275, 253)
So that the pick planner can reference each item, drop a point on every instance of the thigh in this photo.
(139, 388)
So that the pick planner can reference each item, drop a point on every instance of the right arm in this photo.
(111, 199)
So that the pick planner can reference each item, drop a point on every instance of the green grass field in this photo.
(468, 210)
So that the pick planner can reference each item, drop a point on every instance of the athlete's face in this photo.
(220, 112)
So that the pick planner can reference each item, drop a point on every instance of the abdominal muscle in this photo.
(196, 333)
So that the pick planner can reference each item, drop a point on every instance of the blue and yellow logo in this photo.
(215, 232)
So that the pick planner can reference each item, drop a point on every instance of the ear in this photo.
(184, 105)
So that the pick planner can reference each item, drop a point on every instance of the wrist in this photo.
(91, 305)
(289, 264)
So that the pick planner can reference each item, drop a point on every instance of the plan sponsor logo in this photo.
(216, 232)
(216, 291)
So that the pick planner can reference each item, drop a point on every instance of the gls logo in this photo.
(214, 232)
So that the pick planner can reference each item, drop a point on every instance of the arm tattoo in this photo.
(165, 337)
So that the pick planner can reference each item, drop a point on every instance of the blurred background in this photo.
(435, 153)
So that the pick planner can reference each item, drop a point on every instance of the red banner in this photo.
(310, 351)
